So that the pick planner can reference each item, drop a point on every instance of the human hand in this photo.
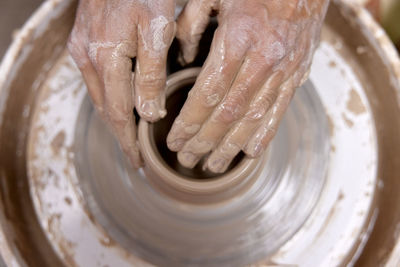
(106, 36)
(261, 52)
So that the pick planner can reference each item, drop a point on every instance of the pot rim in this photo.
(154, 161)
(15, 56)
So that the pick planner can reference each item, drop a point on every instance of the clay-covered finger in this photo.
(248, 81)
(154, 39)
(264, 134)
(238, 136)
(191, 24)
(94, 85)
(118, 104)
(295, 71)
(81, 57)
(210, 88)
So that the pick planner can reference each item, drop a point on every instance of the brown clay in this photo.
(26, 242)
(193, 185)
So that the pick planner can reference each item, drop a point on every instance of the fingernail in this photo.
(151, 110)
(176, 144)
(188, 159)
(254, 149)
(218, 166)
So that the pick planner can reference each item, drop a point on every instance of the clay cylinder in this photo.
(164, 171)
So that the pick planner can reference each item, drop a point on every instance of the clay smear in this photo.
(354, 104)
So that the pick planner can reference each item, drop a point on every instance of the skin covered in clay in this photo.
(106, 35)
(261, 52)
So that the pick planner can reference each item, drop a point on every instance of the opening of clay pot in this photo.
(163, 163)
(159, 131)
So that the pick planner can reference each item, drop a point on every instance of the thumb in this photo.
(191, 24)
(155, 37)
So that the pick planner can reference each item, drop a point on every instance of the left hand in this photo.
(261, 52)
(106, 35)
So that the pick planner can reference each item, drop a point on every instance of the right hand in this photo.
(107, 34)
(260, 53)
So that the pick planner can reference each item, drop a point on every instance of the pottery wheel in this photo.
(242, 230)
(325, 193)
(78, 171)
(311, 204)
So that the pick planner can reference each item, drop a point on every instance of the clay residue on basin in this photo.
(354, 104)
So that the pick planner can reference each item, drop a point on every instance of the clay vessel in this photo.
(161, 165)
(324, 194)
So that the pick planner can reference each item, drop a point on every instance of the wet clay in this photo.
(174, 178)
(44, 215)
(238, 100)
(160, 129)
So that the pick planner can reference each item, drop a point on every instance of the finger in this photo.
(94, 86)
(249, 79)
(264, 134)
(238, 136)
(80, 55)
(296, 67)
(116, 72)
(155, 37)
(210, 88)
(191, 24)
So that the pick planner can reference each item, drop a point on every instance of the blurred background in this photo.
(13, 14)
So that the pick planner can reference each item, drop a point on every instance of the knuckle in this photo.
(269, 98)
(229, 112)
(275, 51)
(260, 108)
(238, 44)
(273, 48)
(118, 115)
(118, 121)
(255, 113)
(210, 95)
(230, 149)
(208, 89)
(150, 81)
(200, 146)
